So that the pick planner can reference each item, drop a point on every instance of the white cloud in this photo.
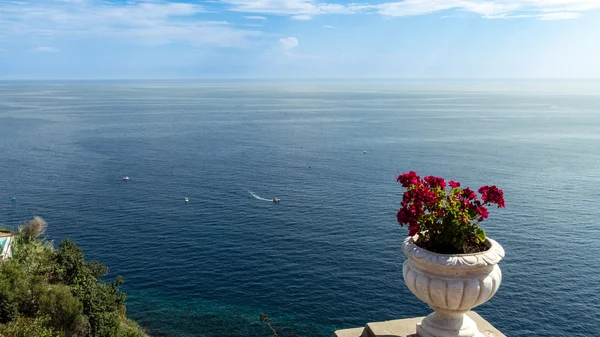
(288, 43)
(301, 17)
(255, 17)
(151, 22)
(541, 9)
(287, 7)
(559, 16)
(328, 27)
(44, 49)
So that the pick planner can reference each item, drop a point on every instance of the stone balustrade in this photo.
(407, 328)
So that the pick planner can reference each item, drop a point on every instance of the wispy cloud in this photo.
(493, 9)
(328, 27)
(559, 16)
(255, 17)
(287, 7)
(45, 49)
(302, 17)
(149, 22)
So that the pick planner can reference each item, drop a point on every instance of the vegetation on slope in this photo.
(48, 292)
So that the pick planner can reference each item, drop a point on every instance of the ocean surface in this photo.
(329, 255)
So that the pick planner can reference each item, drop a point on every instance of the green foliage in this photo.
(105, 324)
(98, 269)
(29, 327)
(5, 230)
(58, 303)
(13, 286)
(70, 264)
(49, 292)
(34, 257)
(130, 328)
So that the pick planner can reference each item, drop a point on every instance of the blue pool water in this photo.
(328, 256)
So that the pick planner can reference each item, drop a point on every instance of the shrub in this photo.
(58, 303)
(105, 324)
(34, 228)
(130, 328)
(46, 292)
(28, 327)
(13, 288)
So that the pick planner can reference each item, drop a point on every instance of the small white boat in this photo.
(125, 178)
(276, 200)
(186, 200)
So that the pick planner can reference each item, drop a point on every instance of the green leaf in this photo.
(480, 234)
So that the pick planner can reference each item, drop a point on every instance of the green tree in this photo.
(59, 304)
(46, 292)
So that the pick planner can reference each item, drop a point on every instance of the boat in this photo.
(186, 200)
(276, 200)
(125, 178)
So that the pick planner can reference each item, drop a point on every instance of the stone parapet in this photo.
(407, 328)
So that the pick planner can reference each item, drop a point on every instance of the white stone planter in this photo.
(451, 285)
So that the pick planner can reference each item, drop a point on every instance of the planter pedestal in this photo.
(452, 285)
(447, 325)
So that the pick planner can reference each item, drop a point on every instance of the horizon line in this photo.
(308, 79)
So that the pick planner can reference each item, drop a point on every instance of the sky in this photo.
(425, 39)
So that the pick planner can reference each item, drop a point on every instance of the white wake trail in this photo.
(257, 197)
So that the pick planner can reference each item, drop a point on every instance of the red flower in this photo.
(483, 212)
(447, 215)
(492, 195)
(469, 194)
(435, 182)
(409, 179)
(413, 229)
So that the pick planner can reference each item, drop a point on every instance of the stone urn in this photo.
(452, 285)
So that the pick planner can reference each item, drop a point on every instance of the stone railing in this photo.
(407, 328)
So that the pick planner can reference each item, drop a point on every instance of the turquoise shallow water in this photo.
(328, 256)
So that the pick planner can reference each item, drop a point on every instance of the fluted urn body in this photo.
(451, 285)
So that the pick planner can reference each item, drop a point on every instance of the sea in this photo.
(328, 256)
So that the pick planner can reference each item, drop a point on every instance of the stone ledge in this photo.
(407, 328)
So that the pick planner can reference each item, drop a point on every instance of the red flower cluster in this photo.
(492, 195)
(409, 179)
(454, 184)
(428, 209)
(435, 182)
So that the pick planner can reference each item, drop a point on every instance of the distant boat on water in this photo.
(125, 178)
(276, 200)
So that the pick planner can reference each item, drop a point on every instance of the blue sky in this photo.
(299, 39)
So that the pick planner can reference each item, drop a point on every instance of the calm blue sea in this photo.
(329, 255)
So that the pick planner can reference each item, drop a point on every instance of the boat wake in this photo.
(258, 197)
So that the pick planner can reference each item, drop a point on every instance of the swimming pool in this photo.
(3, 243)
